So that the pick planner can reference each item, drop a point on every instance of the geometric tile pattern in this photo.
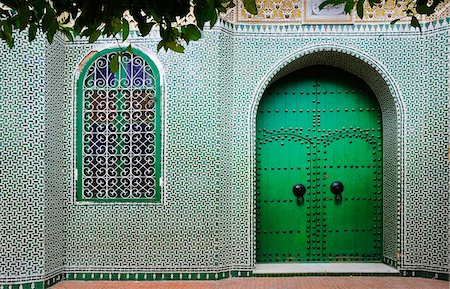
(22, 170)
(384, 12)
(442, 11)
(55, 158)
(189, 183)
(205, 220)
(428, 177)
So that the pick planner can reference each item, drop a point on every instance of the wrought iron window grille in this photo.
(118, 130)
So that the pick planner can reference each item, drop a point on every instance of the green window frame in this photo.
(118, 139)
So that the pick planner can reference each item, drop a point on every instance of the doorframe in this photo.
(392, 105)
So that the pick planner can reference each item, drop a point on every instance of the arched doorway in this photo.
(319, 130)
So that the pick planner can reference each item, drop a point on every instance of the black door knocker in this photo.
(299, 191)
(337, 188)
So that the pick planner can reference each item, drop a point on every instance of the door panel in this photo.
(284, 149)
(350, 154)
(315, 127)
(348, 232)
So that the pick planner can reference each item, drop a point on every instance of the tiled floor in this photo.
(268, 283)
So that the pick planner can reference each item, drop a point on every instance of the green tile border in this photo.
(52, 281)
(390, 262)
(170, 276)
(32, 285)
(35, 284)
(426, 274)
(198, 276)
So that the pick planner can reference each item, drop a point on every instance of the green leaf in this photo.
(8, 38)
(360, 8)
(24, 15)
(50, 37)
(94, 36)
(85, 32)
(48, 18)
(192, 32)
(199, 17)
(213, 19)
(116, 25)
(53, 26)
(204, 13)
(125, 29)
(32, 32)
(221, 9)
(129, 49)
(395, 20)
(68, 34)
(331, 2)
(250, 6)
(174, 46)
(422, 8)
(160, 45)
(145, 28)
(7, 27)
(114, 63)
(38, 9)
(349, 6)
(415, 23)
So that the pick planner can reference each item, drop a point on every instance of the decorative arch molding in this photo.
(149, 55)
(389, 96)
(320, 55)
(142, 49)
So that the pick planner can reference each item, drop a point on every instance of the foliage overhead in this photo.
(95, 18)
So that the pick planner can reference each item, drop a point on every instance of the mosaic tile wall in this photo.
(204, 222)
(426, 240)
(234, 208)
(55, 158)
(22, 171)
(134, 237)
(208, 145)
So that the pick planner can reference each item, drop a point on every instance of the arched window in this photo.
(118, 129)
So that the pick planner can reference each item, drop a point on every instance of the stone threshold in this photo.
(324, 268)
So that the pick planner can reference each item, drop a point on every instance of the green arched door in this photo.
(317, 127)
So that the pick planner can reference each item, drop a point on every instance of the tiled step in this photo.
(325, 268)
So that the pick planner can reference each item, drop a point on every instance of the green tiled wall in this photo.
(22, 170)
(205, 221)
